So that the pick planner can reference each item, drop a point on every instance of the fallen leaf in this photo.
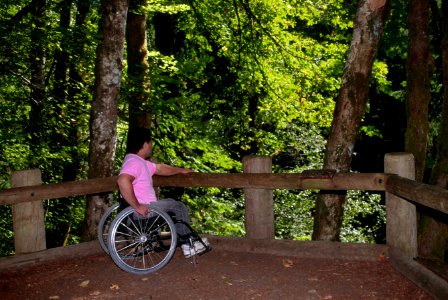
(287, 263)
(95, 293)
(85, 283)
(115, 287)
(381, 258)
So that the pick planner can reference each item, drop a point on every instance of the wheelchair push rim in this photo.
(104, 226)
(142, 245)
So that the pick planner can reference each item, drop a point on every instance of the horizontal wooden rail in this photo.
(424, 194)
(57, 190)
(303, 181)
(307, 180)
(428, 195)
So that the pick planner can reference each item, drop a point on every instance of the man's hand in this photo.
(142, 209)
(185, 171)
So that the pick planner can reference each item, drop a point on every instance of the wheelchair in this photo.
(142, 245)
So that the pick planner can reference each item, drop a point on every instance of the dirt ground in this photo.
(219, 274)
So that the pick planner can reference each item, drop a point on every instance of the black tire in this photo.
(104, 225)
(142, 245)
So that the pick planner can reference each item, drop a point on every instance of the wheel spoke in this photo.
(142, 245)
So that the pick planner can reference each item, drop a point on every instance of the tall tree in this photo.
(75, 82)
(433, 227)
(418, 84)
(63, 102)
(78, 79)
(349, 110)
(137, 56)
(103, 131)
(37, 68)
(62, 55)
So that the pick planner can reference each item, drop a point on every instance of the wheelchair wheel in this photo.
(104, 225)
(142, 245)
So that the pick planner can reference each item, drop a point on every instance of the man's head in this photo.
(136, 139)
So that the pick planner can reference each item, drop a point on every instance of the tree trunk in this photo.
(103, 132)
(349, 110)
(37, 68)
(139, 100)
(65, 137)
(418, 84)
(433, 234)
(61, 55)
(75, 85)
(75, 73)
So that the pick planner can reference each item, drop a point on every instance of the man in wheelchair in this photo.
(136, 188)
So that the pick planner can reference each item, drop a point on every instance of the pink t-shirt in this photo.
(142, 170)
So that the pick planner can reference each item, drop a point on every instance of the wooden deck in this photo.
(307, 270)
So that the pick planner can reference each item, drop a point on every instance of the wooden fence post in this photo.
(401, 215)
(28, 217)
(259, 202)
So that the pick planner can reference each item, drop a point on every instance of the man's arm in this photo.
(166, 170)
(124, 182)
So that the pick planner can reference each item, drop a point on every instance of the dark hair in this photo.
(136, 138)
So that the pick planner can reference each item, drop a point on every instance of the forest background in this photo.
(215, 81)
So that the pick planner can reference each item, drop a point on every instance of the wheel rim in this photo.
(142, 245)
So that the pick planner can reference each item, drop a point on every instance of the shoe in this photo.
(197, 248)
(205, 241)
(191, 251)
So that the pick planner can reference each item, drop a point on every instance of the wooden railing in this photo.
(410, 191)
(407, 189)
(402, 195)
(320, 180)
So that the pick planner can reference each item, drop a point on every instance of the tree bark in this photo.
(76, 84)
(103, 132)
(349, 110)
(64, 104)
(433, 234)
(37, 68)
(139, 99)
(418, 84)
(62, 55)
(75, 73)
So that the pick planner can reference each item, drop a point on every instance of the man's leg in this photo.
(178, 209)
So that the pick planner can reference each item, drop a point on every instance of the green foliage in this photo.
(62, 221)
(364, 218)
(254, 77)
(262, 56)
(216, 211)
(7, 233)
(167, 7)
(371, 131)
(293, 214)
(64, 120)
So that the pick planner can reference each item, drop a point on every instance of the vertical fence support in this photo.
(28, 217)
(401, 215)
(259, 202)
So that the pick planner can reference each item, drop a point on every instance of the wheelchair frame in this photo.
(142, 245)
